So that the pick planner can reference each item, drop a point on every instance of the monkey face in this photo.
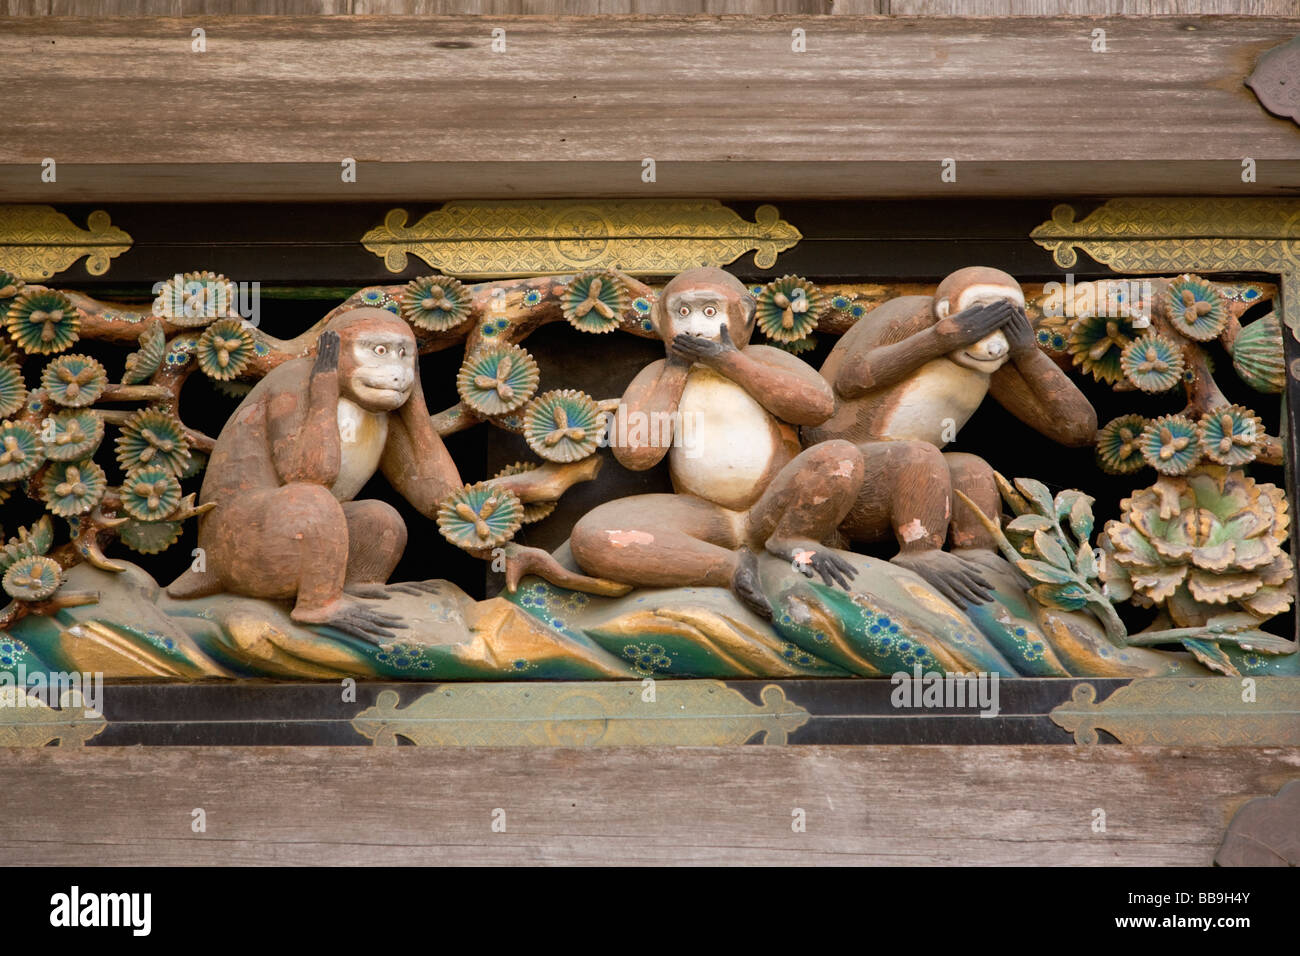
(987, 355)
(381, 375)
(700, 312)
(991, 352)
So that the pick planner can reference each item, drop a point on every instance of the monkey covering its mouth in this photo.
(743, 485)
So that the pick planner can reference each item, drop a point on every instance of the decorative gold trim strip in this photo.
(1200, 712)
(38, 242)
(645, 237)
(695, 713)
(1185, 235)
(33, 724)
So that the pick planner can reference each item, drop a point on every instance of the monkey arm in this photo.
(1034, 389)
(302, 424)
(419, 467)
(883, 365)
(786, 386)
(656, 390)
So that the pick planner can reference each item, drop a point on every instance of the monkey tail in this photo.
(194, 584)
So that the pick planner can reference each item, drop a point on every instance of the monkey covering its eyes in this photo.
(906, 378)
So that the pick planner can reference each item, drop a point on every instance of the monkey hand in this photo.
(970, 325)
(327, 353)
(353, 618)
(808, 558)
(696, 348)
(1020, 333)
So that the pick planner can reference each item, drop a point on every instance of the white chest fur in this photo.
(728, 441)
(363, 435)
(939, 398)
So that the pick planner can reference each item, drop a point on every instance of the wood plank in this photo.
(395, 806)
(574, 106)
(1087, 8)
(948, 8)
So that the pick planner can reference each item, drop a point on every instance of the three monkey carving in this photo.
(782, 459)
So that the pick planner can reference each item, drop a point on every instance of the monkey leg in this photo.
(291, 542)
(905, 489)
(376, 540)
(973, 477)
(804, 504)
(659, 541)
(281, 543)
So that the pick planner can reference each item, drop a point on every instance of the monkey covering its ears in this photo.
(906, 378)
(300, 447)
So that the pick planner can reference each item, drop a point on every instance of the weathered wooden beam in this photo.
(574, 106)
(407, 805)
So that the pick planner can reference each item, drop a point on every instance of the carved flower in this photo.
(481, 516)
(1231, 435)
(1196, 308)
(13, 390)
(497, 379)
(29, 541)
(20, 451)
(1096, 343)
(225, 349)
(1052, 333)
(1171, 445)
(147, 358)
(74, 380)
(563, 425)
(798, 346)
(150, 493)
(789, 308)
(436, 303)
(195, 299)
(533, 510)
(1154, 362)
(1216, 533)
(73, 488)
(149, 537)
(1118, 445)
(43, 322)
(11, 286)
(152, 437)
(1258, 357)
(595, 301)
(33, 578)
(75, 435)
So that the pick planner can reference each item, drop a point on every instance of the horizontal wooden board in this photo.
(967, 8)
(407, 805)
(574, 106)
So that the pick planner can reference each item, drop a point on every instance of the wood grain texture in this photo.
(574, 105)
(958, 8)
(880, 805)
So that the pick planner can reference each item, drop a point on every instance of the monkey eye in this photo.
(380, 349)
(684, 311)
(710, 311)
(401, 353)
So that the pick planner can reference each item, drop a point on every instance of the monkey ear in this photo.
(941, 308)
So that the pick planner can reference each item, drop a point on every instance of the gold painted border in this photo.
(38, 242)
(1176, 235)
(554, 237)
(1192, 712)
